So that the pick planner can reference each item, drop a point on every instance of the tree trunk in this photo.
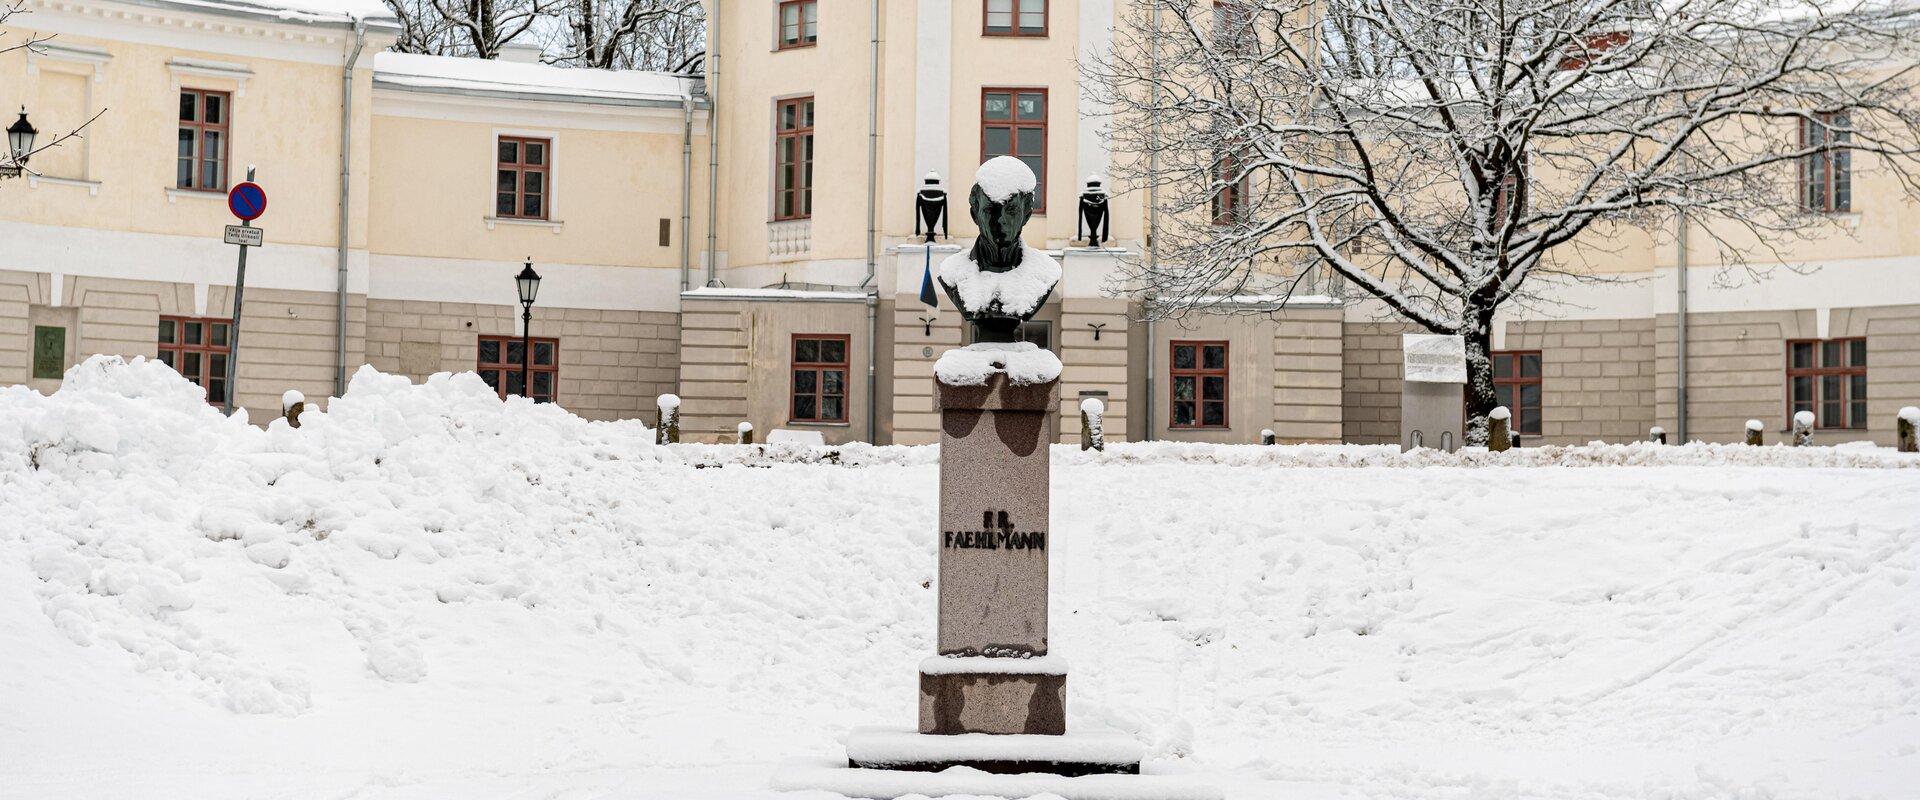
(1479, 389)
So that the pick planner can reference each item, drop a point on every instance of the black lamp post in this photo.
(529, 283)
(19, 145)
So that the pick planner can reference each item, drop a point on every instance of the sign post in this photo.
(247, 201)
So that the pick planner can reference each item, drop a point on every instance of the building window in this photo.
(1233, 32)
(1013, 122)
(500, 366)
(1016, 18)
(1826, 175)
(198, 348)
(1516, 385)
(793, 159)
(819, 378)
(522, 187)
(1230, 203)
(1199, 373)
(1829, 378)
(799, 24)
(202, 157)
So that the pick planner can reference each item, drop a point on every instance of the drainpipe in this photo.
(713, 147)
(346, 202)
(1680, 321)
(686, 191)
(873, 225)
(1153, 223)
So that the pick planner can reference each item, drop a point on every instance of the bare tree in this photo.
(475, 28)
(628, 34)
(1439, 154)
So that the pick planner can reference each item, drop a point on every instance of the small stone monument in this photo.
(1498, 426)
(1802, 428)
(1755, 431)
(1432, 391)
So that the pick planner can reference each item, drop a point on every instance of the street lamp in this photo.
(529, 283)
(19, 144)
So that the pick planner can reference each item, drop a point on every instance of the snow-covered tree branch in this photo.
(1437, 156)
(628, 34)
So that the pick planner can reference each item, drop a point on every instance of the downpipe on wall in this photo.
(346, 202)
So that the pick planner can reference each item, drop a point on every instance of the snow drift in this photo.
(426, 592)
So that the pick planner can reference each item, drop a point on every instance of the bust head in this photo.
(1001, 202)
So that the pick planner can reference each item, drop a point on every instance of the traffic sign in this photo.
(247, 200)
(246, 236)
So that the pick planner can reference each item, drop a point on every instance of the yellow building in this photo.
(770, 274)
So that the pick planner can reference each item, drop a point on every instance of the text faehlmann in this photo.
(996, 533)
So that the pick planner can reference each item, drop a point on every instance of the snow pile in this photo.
(1015, 292)
(426, 593)
(1002, 177)
(1024, 363)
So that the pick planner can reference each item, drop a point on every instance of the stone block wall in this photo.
(1597, 377)
(1370, 381)
(1087, 364)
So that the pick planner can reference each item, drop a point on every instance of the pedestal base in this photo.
(993, 695)
(1000, 754)
(886, 784)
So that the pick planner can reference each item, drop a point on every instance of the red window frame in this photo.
(1837, 363)
(195, 128)
(815, 371)
(1198, 373)
(1230, 203)
(502, 370)
(1014, 29)
(1014, 125)
(519, 165)
(801, 35)
(1591, 45)
(198, 349)
(793, 158)
(1826, 176)
(1511, 376)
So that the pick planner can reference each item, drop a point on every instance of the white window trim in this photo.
(96, 60)
(92, 187)
(175, 193)
(56, 51)
(225, 70)
(553, 178)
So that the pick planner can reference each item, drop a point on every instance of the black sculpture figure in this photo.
(930, 208)
(1093, 213)
(999, 249)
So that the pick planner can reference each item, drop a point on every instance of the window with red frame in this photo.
(198, 349)
(1013, 122)
(521, 187)
(1829, 378)
(1517, 385)
(500, 366)
(819, 378)
(799, 24)
(1199, 382)
(201, 161)
(793, 159)
(1015, 18)
(1230, 203)
(1826, 175)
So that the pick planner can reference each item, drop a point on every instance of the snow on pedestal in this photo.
(1024, 364)
(1015, 292)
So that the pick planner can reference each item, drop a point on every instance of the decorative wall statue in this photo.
(1000, 282)
(930, 208)
(1093, 213)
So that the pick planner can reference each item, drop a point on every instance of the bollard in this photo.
(1755, 431)
(291, 404)
(1499, 436)
(746, 432)
(1093, 434)
(1909, 419)
(668, 431)
(1267, 437)
(1657, 435)
(1802, 428)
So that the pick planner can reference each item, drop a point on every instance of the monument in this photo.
(993, 699)
(1434, 378)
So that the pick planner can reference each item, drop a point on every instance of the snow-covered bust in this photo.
(1001, 282)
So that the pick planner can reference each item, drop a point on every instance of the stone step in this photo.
(1006, 754)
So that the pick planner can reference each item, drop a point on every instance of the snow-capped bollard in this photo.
(1657, 435)
(291, 404)
(668, 431)
(1755, 431)
(1093, 433)
(1267, 437)
(746, 432)
(1498, 437)
(1907, 440)
(1802, 428)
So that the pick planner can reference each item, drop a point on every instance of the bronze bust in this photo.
(998, 300)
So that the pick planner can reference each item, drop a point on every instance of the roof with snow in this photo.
(520, 80)
(322, 11)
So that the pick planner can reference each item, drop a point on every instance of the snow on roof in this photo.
(730, 293)
(295, 10)
(490, 76)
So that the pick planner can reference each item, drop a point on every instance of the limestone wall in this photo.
(736, 357)
(1597, 377)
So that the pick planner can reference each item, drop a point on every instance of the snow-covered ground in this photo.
(425, 593)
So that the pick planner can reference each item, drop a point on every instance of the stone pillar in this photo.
(994, 533)
(1755, 432)
(1905, 439)
(1802, 428)
(1498, 439)
(1657, 435)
